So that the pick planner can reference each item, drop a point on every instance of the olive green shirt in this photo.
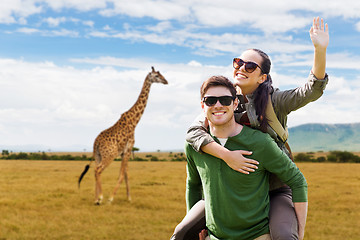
(237, 204)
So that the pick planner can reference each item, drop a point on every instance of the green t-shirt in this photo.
(237, 204)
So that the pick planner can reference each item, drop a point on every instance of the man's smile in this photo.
(219, 113)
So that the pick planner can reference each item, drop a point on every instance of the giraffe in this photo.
(119, 140)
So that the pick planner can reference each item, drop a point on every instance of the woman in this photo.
(253, 82)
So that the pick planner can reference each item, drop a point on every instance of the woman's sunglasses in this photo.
(249, 66)
(224, 100)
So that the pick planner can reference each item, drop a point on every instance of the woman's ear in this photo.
(262, 78)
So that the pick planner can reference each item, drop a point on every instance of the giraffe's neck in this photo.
(137, 110)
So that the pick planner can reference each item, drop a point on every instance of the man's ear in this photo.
(236, 102)
(202, 105)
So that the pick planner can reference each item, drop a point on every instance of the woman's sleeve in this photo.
(291, 100)
(197, 134)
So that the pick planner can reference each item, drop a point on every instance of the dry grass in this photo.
(334, 200)
(144, 155)
(40, 200)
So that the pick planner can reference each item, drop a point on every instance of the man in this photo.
(236, 204)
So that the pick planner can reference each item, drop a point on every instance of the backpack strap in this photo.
(274, 123)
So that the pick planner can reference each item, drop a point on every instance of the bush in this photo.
(321, 159)
(178, 159)
(303, 157)
(139, 159)
(5, 152)
(342, 157)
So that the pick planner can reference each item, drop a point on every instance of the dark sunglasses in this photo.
(249, 66)
(224, 100)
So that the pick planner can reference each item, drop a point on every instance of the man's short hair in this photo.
(217, 81)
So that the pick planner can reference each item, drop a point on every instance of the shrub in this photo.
(342, 157)
(303, 157)
(321, 159)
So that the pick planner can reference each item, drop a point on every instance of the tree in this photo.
(303, 157)
(5, 152)
(134, 149)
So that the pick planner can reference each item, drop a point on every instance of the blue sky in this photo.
(69, 68)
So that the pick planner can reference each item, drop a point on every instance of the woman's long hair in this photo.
(262, 92)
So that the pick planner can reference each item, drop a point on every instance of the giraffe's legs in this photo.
(123, 175)
(123, 171)
(98, 188)
(127, 182)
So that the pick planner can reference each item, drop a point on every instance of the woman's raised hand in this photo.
(319, 33)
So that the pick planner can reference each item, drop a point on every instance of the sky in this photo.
(70, 68)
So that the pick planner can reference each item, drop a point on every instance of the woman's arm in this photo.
(319, 35)
(197, 134)
(234, 159)
(198, 137)
(290, 100)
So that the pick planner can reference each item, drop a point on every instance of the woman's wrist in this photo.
(224, 154)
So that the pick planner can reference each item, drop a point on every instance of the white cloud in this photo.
(69, 104)
(186, 23)
(65, 101)
(52, 33)
(343, 61)
(54, 22)
(88, 23)
(107, 28)
(267, 16)
(357, 26)
(12, 11)
(157, 9)
(62, 33)
(160, 27)
(205, 43)
(65, 105)
(81, 5)
(28, 30)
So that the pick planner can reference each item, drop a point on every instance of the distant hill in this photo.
(325, 137)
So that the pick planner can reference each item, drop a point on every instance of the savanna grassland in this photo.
(41, 200)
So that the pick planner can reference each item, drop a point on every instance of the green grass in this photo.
(40, 200)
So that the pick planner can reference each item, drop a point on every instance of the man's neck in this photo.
(229, 129)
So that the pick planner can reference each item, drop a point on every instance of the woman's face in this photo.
(248, 82)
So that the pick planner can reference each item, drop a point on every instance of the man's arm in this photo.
(193, 180)
(301, 209)
(279, 163)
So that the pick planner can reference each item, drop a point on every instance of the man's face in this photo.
(219, 114)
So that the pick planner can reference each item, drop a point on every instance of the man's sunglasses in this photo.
(249, 66)
(224, 100)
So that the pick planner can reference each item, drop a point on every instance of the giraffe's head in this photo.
(156, 77)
